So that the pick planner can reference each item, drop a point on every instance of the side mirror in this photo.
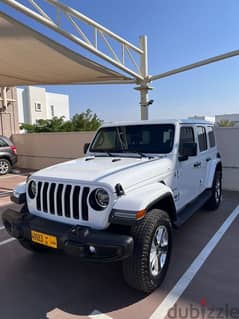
(187, 150)
(86, 146)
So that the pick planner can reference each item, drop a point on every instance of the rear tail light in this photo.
(13, 148)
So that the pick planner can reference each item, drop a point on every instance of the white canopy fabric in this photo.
(29, 58)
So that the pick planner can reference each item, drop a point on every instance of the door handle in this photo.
(197, 164)
(208, 159)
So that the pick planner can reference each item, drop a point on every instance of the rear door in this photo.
(188, 172)
(203, 156)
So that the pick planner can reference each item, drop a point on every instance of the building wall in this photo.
(60, 103)
(9, 113)
(35, 95)
(227, 141)
(30, 96)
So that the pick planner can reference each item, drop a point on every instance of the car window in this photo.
(202, 138)
(152, 138)
(211, 137)
(186, 136)
(3, 143)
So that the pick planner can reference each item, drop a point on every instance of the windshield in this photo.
(153, 138)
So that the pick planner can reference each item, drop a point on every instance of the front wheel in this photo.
(147, 267)
(215, 200)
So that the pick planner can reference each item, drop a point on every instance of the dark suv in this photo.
(8, 155)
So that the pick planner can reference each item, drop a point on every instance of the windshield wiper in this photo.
(103, 153)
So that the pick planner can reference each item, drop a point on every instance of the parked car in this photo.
(8, 155)
(121, 201)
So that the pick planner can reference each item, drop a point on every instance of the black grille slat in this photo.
(44, 197)
(39, 186)
(52, 198)
(59, 199)
(84, 206)
(63, 200)
(76, 202)
(67, 201)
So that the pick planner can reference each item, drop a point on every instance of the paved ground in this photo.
(57, 287)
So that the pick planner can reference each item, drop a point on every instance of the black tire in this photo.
(215, 200)
(33, 247)
(5, 166)
(137, 270)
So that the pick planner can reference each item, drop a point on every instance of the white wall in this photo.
(228, 146)
(34, 95)
(30, 95)
(20, 105)
(60, 103)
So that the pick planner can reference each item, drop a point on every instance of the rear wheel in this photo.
(147, 267)
(5, 166)
(215, 200)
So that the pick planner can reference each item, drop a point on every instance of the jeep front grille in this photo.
(66, 200)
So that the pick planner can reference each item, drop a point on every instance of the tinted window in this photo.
(186, 136)
(202, 138)
(154, 138)
(3, 143)
(211, 136)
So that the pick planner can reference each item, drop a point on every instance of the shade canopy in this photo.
(29, 58)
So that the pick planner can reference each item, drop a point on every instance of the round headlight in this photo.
(102, 197)
(32, 189)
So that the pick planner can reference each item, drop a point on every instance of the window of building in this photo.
(202, 138)
(186, 136)
(37, 107)
(211, 137)
(52, 111)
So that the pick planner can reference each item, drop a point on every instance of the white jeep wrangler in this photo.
(122, 199)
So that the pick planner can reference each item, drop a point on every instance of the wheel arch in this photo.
(165, 203)
(6, 157)
(215, 165)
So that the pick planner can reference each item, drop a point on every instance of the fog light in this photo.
(92, 249)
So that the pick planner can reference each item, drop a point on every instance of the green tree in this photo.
(225, 123)
(85, 121)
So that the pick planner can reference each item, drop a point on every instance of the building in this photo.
(35, 103)
(203, 117)
(8, 111)
(234, 118)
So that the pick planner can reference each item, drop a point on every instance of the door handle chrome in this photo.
(197, 164)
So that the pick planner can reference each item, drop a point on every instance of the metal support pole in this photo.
(143, 85)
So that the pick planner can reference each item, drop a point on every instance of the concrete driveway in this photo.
(199, 284)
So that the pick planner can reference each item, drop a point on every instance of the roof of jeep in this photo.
(166, 121)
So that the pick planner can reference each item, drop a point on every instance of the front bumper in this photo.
(74, 240)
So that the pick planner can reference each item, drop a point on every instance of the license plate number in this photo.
(44, 239)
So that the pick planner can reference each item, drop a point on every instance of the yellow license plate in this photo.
(44, 239)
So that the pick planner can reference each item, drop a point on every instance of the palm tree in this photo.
(226, 123)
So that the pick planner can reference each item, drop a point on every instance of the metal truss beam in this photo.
(100, 34)
(195, 65)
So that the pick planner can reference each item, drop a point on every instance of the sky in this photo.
(179, 32)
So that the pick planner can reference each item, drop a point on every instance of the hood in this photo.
(110, 170)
